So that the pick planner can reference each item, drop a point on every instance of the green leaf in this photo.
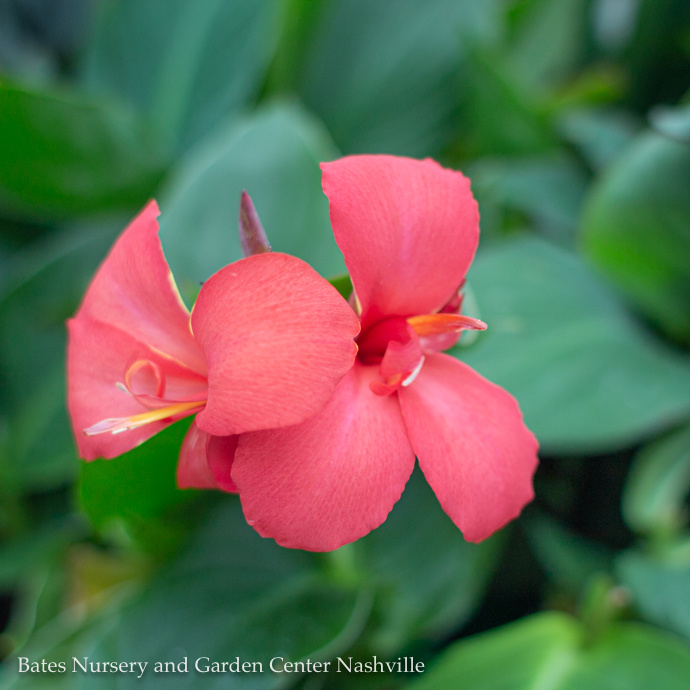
(658, 68)
(429, 578)
(600, 134)
(138, 490)
(343, 284)
(637, 229)
(230, 594)
(65, 154)
(659, 481)
(41, 548)
(659, 586)
(547, 651)
(187, 65)
(275, 156)
(42, 290)
(586, 375)
(235, 594)
(378, 81)
(672, 122)
(549, 190)
(570, 560)
(497, 116)
(299, 18)
(549, 41)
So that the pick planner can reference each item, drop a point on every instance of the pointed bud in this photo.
(252, 235)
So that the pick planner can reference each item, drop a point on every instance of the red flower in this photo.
(408, 231)
(265, 346)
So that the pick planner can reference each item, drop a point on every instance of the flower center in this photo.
(374, 342)
(397, 345)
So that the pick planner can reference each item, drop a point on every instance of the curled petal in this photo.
(471, 443)
(205, 461)
(277, 339)
(97, 354)
(157, 386)
(408, 230)
(400, 365)
(331, 479)
(134, 291)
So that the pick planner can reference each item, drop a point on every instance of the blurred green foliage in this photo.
(571, 118)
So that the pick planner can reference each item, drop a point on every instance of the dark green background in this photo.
(571, 118)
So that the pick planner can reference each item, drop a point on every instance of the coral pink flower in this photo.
(265, 346)
(408, 230)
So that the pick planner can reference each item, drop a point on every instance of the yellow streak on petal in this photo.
(436, 324)
(116, 425)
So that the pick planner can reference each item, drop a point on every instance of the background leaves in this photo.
(585, 374)
(571, 119)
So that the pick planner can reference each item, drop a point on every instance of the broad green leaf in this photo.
(231, 594)
(637, 229)
(64, 154)
(587, 377)
(548, 190)
(298, 20)
(658, 68)
(659, 481)
(59, 640)
(386, 80)
(659, 586)
(549, 651)
(42, 290)
(343, 284)
(498, 117)
(548, 41)
(672, 122)
(429, 578)
(187, 65)
(275, 156)
(140, 483)
(138, 491)
(570, 560)
(20, 54)
(20, 559)
(614, 22)
(600, 134)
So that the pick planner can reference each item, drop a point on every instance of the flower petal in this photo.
(400, 364)
(97, 359)
(408, 230)
(277, 338)
(332, 479)
(205, 461)
(472, 445)
(134, 291)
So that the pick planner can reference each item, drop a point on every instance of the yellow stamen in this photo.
(116, 425)
(436, 324)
